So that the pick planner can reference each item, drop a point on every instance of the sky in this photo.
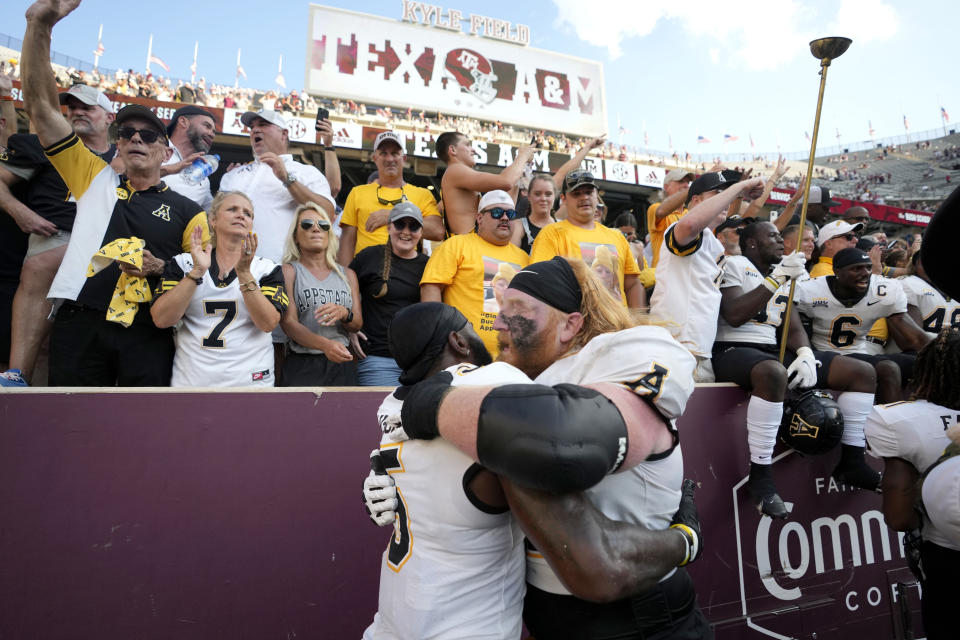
(674, 71)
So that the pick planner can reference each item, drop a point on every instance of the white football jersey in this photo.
(914, 431)
(687, 295)
(649, 361)
(218, 345)
(453, 569)
(738, 271)
(936, 311)
(837, 327)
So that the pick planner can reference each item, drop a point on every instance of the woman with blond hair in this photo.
(326, 305)
(225, 300)
(605, 267)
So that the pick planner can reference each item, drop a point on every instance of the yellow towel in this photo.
(130, 290)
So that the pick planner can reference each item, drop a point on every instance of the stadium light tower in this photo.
(825, 50)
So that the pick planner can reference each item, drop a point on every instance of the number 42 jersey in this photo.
(837, 327)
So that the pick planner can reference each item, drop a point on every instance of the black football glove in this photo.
(687, 522)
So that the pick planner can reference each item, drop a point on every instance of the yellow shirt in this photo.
(471, 270)
(565, 239)
(824, 267)
(362, 201)
(656, 228)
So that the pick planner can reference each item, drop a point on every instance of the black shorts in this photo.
(733, 361)
(903, 360)
(669, 610)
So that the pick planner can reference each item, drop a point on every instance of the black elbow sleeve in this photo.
(560, 439)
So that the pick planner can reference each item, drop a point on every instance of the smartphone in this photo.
(322, 114)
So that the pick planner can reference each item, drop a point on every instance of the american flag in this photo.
(729, 138)
(906, 125)
(702, 140)
(157, 61)
(944, 115)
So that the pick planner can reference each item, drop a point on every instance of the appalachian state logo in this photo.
(123, 194)
(163, 211)
(3, 155)
(800, 428)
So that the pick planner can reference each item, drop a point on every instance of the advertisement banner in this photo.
(299, 129)
(386, 61)
(881, 212)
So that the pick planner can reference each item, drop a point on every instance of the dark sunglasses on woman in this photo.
(407, 223)
(308, 223)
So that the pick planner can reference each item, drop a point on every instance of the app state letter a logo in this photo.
(163, 211)
(801, 428)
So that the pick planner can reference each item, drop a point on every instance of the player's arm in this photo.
(900, 495)
(562, 438)
(38, 84)
(738, 307)
(906, 333)
(912, 310)
(596, 558)
(690, 226)
(575, 162)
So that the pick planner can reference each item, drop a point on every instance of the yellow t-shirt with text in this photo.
(362, 201)
(473, 272)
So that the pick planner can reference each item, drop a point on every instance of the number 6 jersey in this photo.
(837, 327)
(217, 343)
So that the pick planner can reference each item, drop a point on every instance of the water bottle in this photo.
(200, 169)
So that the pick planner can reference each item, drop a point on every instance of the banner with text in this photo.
(385, 61)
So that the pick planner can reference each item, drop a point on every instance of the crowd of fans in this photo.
(152, 281)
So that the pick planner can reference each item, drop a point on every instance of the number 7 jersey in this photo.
(837, 327)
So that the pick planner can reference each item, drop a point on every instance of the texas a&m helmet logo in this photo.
(473, 73)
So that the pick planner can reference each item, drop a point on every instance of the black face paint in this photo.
(523, 332)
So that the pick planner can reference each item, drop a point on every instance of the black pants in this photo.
(88, 351)
(314, 370)
(669, 610)
(941, 566)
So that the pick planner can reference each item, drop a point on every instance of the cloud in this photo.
(758, 35)
(865, 21)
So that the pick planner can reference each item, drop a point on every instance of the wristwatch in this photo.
(289, 181)
(197, 279)
(349, 317)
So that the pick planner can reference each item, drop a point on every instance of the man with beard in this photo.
(754, 293)
(46, 211)
(559, 326)
(102, 333)
(191, 133)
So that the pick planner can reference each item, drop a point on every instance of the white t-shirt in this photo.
(218, 345)
(452, 570)
(837, 327)
(936, 311)
(687, 295)
(648, 360)
(199, 193)
(914, 431)
(273, 206)
(738, 271)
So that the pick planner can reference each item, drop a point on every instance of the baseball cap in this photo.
(88, 95)
(189, 110)
(388, 136)
(406, 209)
(269, 115)
(821, 195)
(143, 113)
(676, 175)
(711, 181)
(836, 228)
(495, 198)
(576, 179)
(733, 222)
(865, 243)
(850, 256)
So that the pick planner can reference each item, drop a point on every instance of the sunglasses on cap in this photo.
(581, 177)
(392, 203)
(147, 135)
(497, 212)
(308, 223)
(407, 223)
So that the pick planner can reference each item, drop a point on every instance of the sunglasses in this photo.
(392, 203)
(147, 135)
(849, 236)
(496, 213)
(307, 223)
(407, 223)
(578, 178)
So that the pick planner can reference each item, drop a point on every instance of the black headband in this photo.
(551, 281)
(418, 335)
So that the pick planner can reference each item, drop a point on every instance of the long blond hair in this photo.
(291, 251)
(602, 313)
